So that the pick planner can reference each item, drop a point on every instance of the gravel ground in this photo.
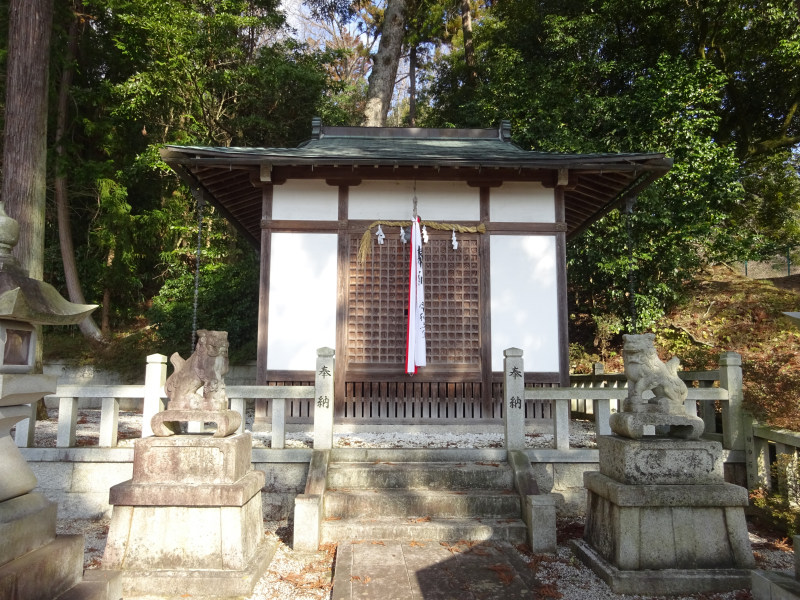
(87, 434)
(308, 576)
(304, 576)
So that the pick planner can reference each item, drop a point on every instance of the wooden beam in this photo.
(523, 228)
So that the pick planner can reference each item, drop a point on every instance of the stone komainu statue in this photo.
(645, 372)
(197, 383)
(196, 389)
(665, 413)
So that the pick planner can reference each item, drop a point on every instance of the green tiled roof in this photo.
(592, 183)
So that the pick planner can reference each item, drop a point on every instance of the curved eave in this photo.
(231, 179)
(227, 158)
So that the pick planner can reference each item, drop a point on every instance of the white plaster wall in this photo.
(393, 200)
(524, 305)
(302, 299)
(305, 200)
(522, 202)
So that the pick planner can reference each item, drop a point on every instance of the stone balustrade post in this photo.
(154, 379)
(730, 378)
(561, 424)
(601, 407)
(323, 400)
(239, 405)
(279, 423)
(514, 399)
(23, 434)
(67, 422)
(756, 457)
(109, 423)
(788, 484)
(709, 415)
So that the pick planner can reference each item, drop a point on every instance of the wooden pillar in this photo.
(485, 307)
(260, 420)
(561, 282)
(342, 278)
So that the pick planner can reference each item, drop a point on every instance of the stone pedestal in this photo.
(189, 523)
(660, 520)
(35, 564)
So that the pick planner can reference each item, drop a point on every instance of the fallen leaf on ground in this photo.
(504, 573)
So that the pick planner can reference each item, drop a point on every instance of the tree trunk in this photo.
(105, 311)
(469, 47)
(88, 327)
(384, 67)
(25, 149)
(25, 145)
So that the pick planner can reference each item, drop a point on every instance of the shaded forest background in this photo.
(713, 84)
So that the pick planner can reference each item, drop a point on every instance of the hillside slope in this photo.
(726, 311)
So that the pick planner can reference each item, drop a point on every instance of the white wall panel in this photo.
(305, 200)
(302, 299)
(449, 201)
(524, 305)
(522, 202)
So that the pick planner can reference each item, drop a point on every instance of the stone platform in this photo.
(189, 521)
(403, 570)
(660, 519)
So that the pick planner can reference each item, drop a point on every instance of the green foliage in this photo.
(169, 72)
(580, 361)
(709, 86)
(781, 504)
(677, 224)
(227, 301)
(607, 326)
(767, 220)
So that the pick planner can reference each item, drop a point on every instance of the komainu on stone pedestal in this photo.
(196, 389)
(660, 518)
(665, 412)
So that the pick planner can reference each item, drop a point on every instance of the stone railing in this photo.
(596, 395)
(153, 397)
(767, 448)
(599, 396)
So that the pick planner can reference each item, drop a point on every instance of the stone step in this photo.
(421, 503)
(97, 584)
(421, 475)
(424, 529)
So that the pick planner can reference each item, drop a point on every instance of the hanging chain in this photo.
(200, 205)
(629, 204)
(414, 201)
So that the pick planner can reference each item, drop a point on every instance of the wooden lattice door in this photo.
(377, 297)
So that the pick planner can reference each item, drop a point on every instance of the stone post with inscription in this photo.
(514, 399)
(323, 402)
(660, 519)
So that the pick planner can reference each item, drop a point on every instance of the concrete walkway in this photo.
(395, 570)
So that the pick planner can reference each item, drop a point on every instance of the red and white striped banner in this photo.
(415, 343)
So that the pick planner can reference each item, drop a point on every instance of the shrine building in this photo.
(326, 218)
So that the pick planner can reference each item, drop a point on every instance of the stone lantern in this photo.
(34, 563)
